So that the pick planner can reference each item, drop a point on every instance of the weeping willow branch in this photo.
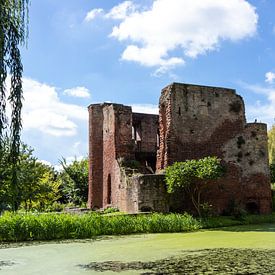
(13, 34)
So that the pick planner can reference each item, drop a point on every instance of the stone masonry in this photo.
(128, 151)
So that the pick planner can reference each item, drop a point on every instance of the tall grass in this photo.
(51, 226)
(25, 227)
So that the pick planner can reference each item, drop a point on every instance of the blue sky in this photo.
(82, 52)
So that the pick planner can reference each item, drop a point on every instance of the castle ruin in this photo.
(129, 151)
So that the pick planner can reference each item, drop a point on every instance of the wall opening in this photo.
(146, 209)
(136, 135)
(252, 207)
(158, 139)
(109, 190)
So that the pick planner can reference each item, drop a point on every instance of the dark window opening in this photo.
(179, 112)
(148, 160)
(146, 209)
(252, 207)
(158, 139)
(109, 190)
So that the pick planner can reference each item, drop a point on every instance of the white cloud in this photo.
(192, 26)
(122, 10)
(145, 108)
(77, 92)
(44, 162)
(262, 111)
(44, 111)
(269, 77)
(92, 14)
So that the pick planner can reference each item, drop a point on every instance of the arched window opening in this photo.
(252, 207)
(109, 190)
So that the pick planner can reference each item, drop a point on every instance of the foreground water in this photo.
(233, 250)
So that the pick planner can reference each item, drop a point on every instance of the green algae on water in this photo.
(206, 261)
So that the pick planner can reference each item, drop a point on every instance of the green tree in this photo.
(193, 176)
(37, 183)
(39, 186)
(13, 34)
(74, 178)
(271, 144)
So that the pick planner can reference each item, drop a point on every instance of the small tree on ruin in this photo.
(193, 176)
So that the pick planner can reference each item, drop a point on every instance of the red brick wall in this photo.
(95, 196)
(118, 144)
(198, 121)
(148, 125)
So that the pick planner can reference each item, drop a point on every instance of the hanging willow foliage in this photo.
(13, 34)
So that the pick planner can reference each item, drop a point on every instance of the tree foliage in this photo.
(37, 183)
(74, 181)
(271, 145)
(13, 33)
(193, 176)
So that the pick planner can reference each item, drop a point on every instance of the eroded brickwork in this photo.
(117, 137)
(198, 121)
(194, 122)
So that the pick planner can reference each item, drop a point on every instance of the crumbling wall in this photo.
(95, 193)
(194, 122)
(145, 193)
(145, 132)
(198, 121)
(192, 117)
(112, 142)
(117, 144)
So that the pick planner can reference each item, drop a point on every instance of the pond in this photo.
(232, 250)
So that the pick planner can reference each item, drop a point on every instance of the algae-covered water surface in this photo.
(232, 250)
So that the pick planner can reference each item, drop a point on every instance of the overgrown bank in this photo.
(27, 227)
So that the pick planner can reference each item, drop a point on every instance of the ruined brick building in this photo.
(129, 151)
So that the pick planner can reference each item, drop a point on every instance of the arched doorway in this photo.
(252, 207)
(109, 189)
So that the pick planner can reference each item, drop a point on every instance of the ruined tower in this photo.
(126, 148)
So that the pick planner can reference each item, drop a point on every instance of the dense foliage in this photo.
(74, 181)
(271, 145)
(193, 176)
(37, 185)
(13, 33)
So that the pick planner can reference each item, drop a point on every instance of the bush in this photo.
(109, 210)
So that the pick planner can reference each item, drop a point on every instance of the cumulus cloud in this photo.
(193, 27)
(262, 111)
(43, 110)
(269, 77)
(92, 14)
(145, 108)
(45, 162)
(121, 11)
(77, 92)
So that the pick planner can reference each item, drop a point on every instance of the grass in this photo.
(49, 226)
(26, 227)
